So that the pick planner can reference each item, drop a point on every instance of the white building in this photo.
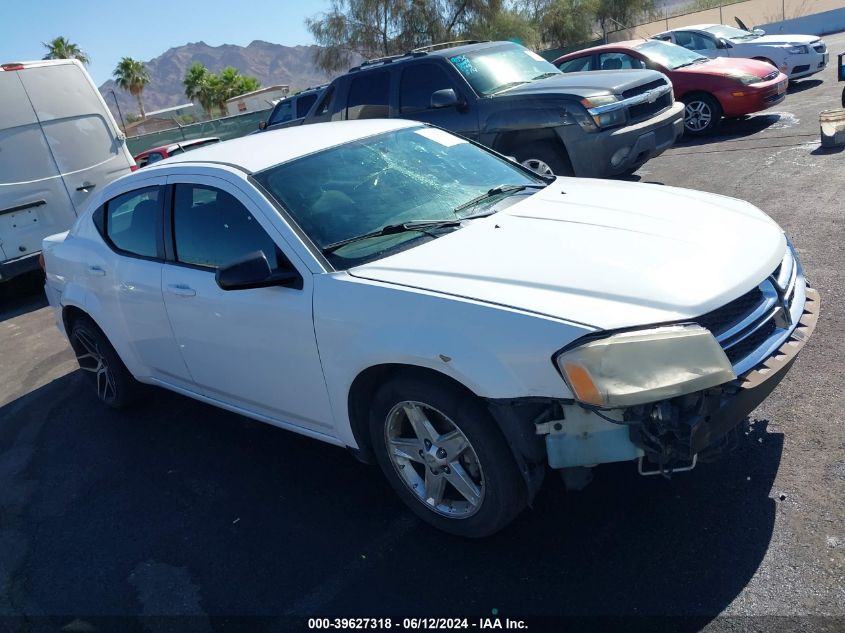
(257, 100)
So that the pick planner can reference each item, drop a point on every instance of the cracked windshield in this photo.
(407, 176)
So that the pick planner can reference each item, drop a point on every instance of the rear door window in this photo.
(132, 221)
(303, 104)
(369, 96)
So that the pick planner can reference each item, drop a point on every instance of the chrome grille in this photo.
(752, 326)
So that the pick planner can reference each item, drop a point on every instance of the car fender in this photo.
(500, 353)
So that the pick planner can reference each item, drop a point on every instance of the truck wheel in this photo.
(96, 357)
(444, 456)
(702, 114)
(545, 158)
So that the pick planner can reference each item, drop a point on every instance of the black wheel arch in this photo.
(514, 418)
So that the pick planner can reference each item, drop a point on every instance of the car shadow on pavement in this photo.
(21, 295)
(737, 129)
(179, 507)
(802, 84)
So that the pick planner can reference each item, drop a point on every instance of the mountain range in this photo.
(270, 63)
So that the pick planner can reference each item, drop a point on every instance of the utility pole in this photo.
(119, 113)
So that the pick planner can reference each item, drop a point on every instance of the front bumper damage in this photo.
(672, 433)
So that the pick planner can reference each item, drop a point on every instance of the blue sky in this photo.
(108, 30)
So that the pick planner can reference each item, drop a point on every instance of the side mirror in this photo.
(253, 271)
(445, 98)
(758, 32)
(262, 125)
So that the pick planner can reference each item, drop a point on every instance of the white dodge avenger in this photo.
(391, 288)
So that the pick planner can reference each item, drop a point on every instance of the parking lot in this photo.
(176, 507)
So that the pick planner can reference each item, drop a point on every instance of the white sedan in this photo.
(796, 56)
(391, 288)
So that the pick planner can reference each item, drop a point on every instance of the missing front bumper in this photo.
(674, 433)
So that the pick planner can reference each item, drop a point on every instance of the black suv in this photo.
(509, 98)
(292, 108)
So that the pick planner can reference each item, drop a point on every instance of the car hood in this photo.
(599, 253)
(585, 84)
(726, 66)
(771, 40)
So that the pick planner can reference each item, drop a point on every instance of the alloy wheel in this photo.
(697, 115)
(91, 359)
(434, 459)
(538, 166)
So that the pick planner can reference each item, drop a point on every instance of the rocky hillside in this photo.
(270, 63)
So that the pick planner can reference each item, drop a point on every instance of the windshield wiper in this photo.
(544, 75)
(508, 85)
(393, 229)
(496, 191)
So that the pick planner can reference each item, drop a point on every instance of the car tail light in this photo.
(12, 66)
(41, 263)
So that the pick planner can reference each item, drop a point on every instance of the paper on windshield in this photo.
(439, 136)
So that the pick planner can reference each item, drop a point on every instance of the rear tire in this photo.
(445, 457)
(114, 385)
(545, 158)
(702, 114)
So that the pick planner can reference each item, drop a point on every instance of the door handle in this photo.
(86, 187)
(183, 290)
(96, 271)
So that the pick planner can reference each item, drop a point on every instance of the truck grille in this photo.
(638, 90)
(750, 327)
(644, 110)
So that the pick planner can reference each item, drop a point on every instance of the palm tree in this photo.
(196, 86)
(232, 84)
(62, 48)
(132, 76)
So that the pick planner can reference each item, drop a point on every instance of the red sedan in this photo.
(710, 88)
(155, 154)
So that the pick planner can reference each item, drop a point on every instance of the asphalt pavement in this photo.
(108, 519)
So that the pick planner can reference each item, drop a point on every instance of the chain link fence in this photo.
(226, 128)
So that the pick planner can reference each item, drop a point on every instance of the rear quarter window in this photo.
(132, 222)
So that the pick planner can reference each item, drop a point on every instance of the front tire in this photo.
(115, 386)
(445, 457)
(545, 158)
(702, 115)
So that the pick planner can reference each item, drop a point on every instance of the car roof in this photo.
(447, 49)
(692, 27)
(602, 47)
(170, 146)
(255, 152)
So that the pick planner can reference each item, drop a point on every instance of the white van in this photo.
(58, 142)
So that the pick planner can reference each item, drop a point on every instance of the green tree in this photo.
(62, 48)
(196, 86)
(131, 75)
(563, 22)
(506, 25)
(376, 28)
(613, 15)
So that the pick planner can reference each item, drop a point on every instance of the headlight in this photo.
(605, 110)
(796, 49)
(645, 366)
(746, 79)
